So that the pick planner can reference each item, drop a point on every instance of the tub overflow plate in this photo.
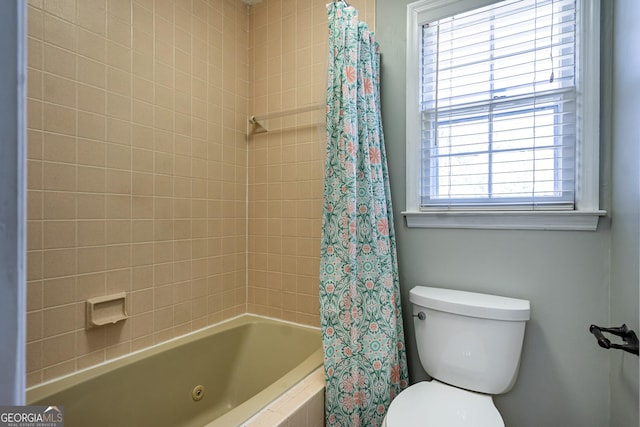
(197, 393)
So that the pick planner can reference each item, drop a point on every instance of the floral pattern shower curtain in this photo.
(360, 313)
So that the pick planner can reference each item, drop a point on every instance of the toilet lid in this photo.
(434, 404)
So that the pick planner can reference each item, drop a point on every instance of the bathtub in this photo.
(242, 365)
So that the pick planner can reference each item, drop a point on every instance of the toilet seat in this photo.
(434, 404)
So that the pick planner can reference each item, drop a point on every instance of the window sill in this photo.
(506, 220)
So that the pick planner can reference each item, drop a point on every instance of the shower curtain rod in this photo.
(258, 127)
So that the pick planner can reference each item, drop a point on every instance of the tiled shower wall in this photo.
(137, 161)
(287, 57)
(137, 172)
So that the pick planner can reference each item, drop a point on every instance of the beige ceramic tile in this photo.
(92, 15)
(91, 179)
(58, 370)
(59, 176)
(59, 148)
(60, 32)
(91, 72)
(118, 30)
(91, 45)
(91, 259)
(91, 126)
(59, 320)
(59, 61)
(58, 349)
(58, 90)
(91, 232)
(59, 234)
(59, 119)
(91, 99)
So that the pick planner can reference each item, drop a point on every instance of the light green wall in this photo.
(564, 376)
(625, 210)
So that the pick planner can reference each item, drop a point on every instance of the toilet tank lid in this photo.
(470, 303)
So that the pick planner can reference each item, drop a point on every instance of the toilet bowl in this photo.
(432, 403)
(470, 344)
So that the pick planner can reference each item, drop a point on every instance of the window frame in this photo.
(586, 212)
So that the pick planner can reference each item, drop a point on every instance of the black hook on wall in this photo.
(628, 336)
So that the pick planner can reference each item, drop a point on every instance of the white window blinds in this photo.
(498, 113)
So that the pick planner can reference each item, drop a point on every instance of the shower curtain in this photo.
(363, 339)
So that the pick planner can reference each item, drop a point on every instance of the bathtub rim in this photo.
(42, 390)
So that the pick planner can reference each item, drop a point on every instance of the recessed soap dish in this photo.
(107, 309)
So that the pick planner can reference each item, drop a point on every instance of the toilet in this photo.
(470, 344)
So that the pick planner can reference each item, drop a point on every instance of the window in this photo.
(502, 114)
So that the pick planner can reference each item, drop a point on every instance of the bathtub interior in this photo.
(245, 361)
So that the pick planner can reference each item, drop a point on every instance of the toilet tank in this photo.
(469, 340)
